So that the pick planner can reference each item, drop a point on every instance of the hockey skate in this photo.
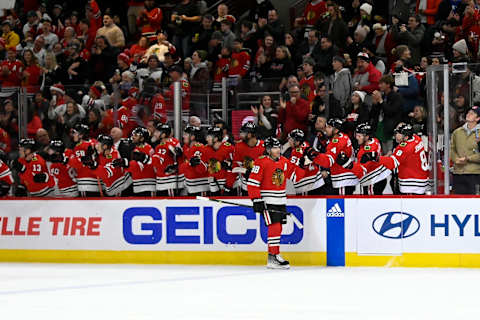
(275, 261)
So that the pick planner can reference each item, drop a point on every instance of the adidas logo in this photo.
(335, 212)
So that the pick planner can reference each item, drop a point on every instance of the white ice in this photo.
(111, 292)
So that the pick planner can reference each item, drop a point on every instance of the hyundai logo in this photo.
(396, 225)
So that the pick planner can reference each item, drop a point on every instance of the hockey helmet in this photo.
(297, 135)
(57, 146)
(364, 128)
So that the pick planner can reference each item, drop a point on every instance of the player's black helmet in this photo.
(82, 129)
(364, 128)
(336, 123)
(297, 135)
(405, 129)
(105, 140)
(272, 142)
(57, 146)
(193, 131)
(249, 127)
(27, 143)
(141, 131)
(164, 128)
(215, 132)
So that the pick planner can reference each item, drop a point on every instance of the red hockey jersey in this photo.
(35, 166)
(86, 178)
(312, 178)
(375, 172)
(244, 156)
(115, 180)
(5, 141)
(64, 175)
(143, 175)
(411, 160)
(196, 178)
(219, 178)
(150, 22)
(13, 78)
(163, 158)
(240, 64)
(5, 173)
(268, 179)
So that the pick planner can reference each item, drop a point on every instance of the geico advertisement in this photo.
(393, 226)
(154, 225)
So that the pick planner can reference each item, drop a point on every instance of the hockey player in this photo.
(375, 179)
(313, 178)
(165, 161)
(141, 165)
(267, 189)
(32, 170)
(193, 168)
(6, 178)
(88, 184)
(338, 158)
(245, 153)
(60, 169)
(218, 156)
(411, 160)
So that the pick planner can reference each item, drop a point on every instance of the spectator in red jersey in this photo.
(137, 51)
(293, 114)
(150, 20)
(12, 69)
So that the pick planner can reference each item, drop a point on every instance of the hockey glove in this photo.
(301, 162)
(120, 162)
(140, 157)
(195, 161)
(369, 156)
(178, 151)
(40, 178)
(171, 169)
(259, 205)
(4, 188)
(344, 161)
(21, 191)
(311, 153)
(17, 166)
(226, 165)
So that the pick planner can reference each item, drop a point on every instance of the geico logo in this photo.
(453, 224)
(396, 225)
(199, 225)
(335, 215)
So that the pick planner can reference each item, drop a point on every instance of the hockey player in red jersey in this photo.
(267, 189)
(141, 165)
(218, 156)
(4, 141)
(193, 168)
(245, 153)
(165, 161)
(32, 170)
(60, 169)
(375, 179)
(338, 157)
(88, 183)
(6, 178)
(313, 178)
(410, 159)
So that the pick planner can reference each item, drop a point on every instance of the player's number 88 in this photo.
(255, 169)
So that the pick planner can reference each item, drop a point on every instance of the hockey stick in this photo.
(294, 219)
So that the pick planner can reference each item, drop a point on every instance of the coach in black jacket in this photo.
(386, 109)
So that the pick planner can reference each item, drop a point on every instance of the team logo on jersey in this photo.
(403, 144)
(227, 144)
(248, 163)
(214, 166)
(278, 177)
(310, 15)
(235, 63)
(335, 140)
(367, 148)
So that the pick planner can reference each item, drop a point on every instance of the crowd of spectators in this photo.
(342, 59)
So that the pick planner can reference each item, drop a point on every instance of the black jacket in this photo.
(391, 107)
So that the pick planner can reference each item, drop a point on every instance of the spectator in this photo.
(294, 113)
(103, 60)
(356, 112)
(150, 20)
(383, 42)
(160, 48)
(308, 66)
(68, 36)
(265, 53)
(325, 56)
(275, 27)
(411, 36)
(76, 68)
(199, 79)
(418, 120)
(386, 111)
(137, 51)
(260, 10)
(11, 70)
(427, 10)
(464, 154)
(359, 41)
(460, 51)
(11, 38)
(341, 81)
(111, 32)
(31, 72)
(408, 91)
(228, 35)
(52, 73)
(86, 33)
(313, 12)
(334, 27)
(311, 46)
(185, 16)
(281, 66)
(39, 51)
(32, 24)
(266, 117)
(291, 44)
(404, 57)
(201, 38)
(50, 38)
(366, 77)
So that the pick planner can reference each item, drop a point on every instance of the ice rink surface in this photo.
(110, 292)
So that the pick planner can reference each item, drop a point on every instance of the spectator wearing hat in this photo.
(359, 41)
(93, 100)
(11, 38)
(215, 46)
(356, 112)
(111, 32)
(386, 111)
(334, 26)
(411, 36)
(50, 38)
(383, 42)
(185, 17)
(460, 51)
(150, 20)
(161, 47)
(465, 154)
(341, 81)
(366, 77)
